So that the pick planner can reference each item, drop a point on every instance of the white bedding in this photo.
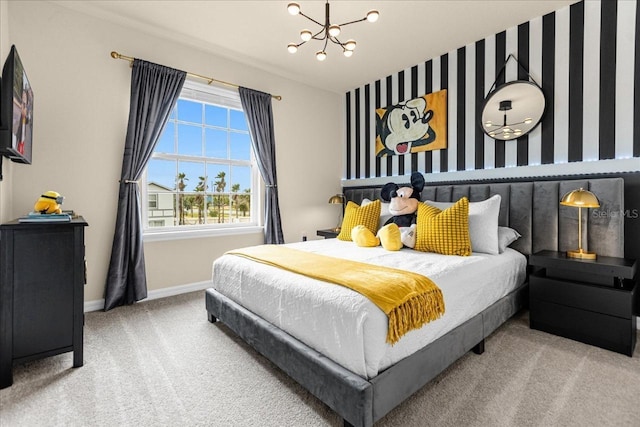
(347, 327)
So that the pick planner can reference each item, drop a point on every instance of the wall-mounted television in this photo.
(16, 110)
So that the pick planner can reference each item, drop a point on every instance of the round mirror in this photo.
(512, 110)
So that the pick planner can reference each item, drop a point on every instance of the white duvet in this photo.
(347, 327)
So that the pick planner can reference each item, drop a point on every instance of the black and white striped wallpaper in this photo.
(585, 56)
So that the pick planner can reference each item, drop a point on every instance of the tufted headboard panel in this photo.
(533, 209)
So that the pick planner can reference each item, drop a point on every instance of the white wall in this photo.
(5, 46)
(80, 118)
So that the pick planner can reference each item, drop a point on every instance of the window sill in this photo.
(159, 236)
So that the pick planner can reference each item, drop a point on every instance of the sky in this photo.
(202, 130)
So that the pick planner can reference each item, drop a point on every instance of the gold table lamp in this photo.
(338, 199)
(580, 199)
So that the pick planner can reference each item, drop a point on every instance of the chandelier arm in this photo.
(505, 125)
(311, 19)
(324, 49)
(336, 41)
(323, 32)
(353, 22)
(499, 131)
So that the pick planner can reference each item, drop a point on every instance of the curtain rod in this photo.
(116, 55)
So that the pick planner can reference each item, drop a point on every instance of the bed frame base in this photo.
(358, 401)
(479, 348)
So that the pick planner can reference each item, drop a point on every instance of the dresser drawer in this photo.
(608, 332)
(600, 299)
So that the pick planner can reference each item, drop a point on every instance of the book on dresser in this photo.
(40, 217)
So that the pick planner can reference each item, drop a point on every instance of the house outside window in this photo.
(153, 200)
(202, 174)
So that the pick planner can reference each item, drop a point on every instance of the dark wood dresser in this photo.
(41, 292)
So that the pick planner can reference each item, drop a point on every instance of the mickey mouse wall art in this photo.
(419, 124)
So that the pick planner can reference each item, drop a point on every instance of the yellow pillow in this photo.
(444, 231)
(367, 215)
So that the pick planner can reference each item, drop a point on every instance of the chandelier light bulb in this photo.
(347, 53)
(350, 45)
(293, 8)
(292, 48)
(305, 35)
(372, 15)
(334, 30)
(528, 120)
(321, 55)
(488, 124)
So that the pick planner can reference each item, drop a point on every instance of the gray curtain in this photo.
(257, 107)
(154, 92)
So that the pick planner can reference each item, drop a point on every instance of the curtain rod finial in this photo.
(115, 55)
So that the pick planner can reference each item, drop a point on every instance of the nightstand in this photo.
(592, 301)
(329, 233)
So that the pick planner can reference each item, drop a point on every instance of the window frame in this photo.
(206, 94)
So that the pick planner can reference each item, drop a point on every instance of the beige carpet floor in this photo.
(161, 363)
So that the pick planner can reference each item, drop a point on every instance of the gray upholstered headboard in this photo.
(533, 209)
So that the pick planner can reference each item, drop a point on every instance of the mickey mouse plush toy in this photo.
(403, 205)
(400, 229)
(403, 201)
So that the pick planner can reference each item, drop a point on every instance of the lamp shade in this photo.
(305, 35)
(580, 198)
(293, 8)
(338, 199)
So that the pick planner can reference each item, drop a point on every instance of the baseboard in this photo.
(154, 294)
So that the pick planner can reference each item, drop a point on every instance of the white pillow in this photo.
(384, 211)
(483, 223)
(506, 236)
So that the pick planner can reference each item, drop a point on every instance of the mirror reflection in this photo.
(512, 110)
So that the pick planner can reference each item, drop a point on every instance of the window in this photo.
(202, 173)
(153, 201)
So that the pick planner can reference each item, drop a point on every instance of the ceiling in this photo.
(258, 32)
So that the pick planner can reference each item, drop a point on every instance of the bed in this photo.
(367, 378)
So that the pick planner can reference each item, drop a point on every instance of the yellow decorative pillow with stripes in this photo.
(354, 214)
(444, 231)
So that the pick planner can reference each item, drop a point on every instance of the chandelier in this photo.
(328, 33)
(506, 130)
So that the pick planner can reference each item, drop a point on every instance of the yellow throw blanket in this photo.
(408, 299)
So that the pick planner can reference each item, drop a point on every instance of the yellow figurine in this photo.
(49, 203)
